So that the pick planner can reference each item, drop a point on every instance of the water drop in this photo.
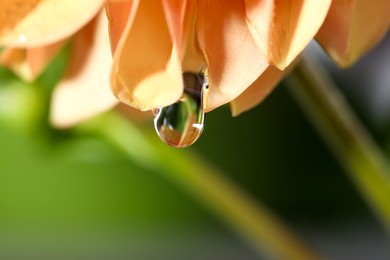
(181, 124)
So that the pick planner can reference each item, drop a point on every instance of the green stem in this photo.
(230, 204)
(344, 133)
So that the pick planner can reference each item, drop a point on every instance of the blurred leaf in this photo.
(20, 103)
(348, 138)
(251, 220)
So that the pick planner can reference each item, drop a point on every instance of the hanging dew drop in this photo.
(180, 124)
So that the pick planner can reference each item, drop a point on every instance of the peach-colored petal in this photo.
(193, 59)
(283, 28)
(85, 90)
(147, 72)
(32, 23)
(29, 63)
(119, 13)
(175, 14)
(181, 15)
(12, 12)
(352, 27)
(234, 61)
(38, 58)
(15, 60)
(258, 91)
(260, 14)
(134, 114)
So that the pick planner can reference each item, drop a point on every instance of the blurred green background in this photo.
(69, 194)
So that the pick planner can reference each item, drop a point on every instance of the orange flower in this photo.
(246, 46)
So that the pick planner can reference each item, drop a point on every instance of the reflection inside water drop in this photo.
(180, 124)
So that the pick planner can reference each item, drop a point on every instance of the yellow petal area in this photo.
(85, 90)
(32, 23)
(283, 28)
(234, 61)
(146, 72)
(258, 91)
(352, 27)
(29, 63)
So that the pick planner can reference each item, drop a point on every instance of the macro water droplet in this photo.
(181, 124)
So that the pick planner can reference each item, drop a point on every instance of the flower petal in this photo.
(175, 14)
(283, 28)
(29, 63)
(260, 16)
(352, 27)
(193, 60)
(181, 15)
(146, 72)
(32, 23)
(234, 61)
(133, 114)
(85, 90)
(15, 60)
(119, 14)
(39, 58)
(258, 91)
